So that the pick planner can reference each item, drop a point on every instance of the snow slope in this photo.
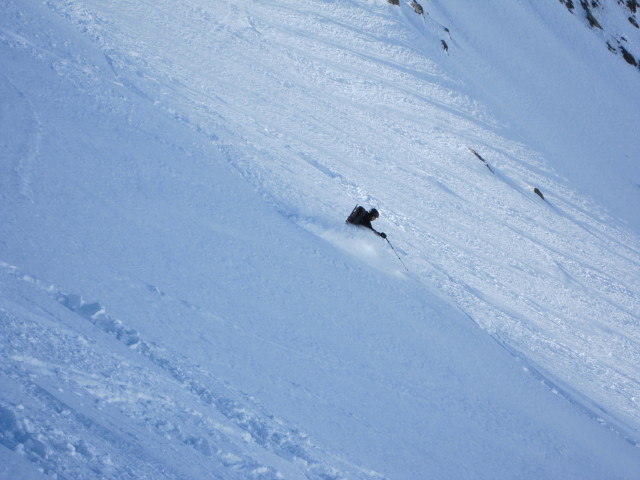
(179, 295)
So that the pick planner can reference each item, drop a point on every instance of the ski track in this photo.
(61, 376)
(18, 172)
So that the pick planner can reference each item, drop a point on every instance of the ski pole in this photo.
(394, 251)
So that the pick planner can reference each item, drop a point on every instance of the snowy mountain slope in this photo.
(548, 84)
(164, 314)
(304, 110)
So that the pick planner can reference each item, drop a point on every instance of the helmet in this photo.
(373, 213)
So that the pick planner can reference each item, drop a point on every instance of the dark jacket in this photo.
(366, 222)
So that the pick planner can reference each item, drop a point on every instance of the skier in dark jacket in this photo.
(365, 218)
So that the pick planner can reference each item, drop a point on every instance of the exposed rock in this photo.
(417, 7)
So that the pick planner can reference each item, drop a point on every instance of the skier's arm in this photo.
(380, 234)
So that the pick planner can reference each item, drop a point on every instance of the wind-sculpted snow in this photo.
(180, 296)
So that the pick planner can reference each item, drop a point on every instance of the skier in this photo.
(359, 216)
